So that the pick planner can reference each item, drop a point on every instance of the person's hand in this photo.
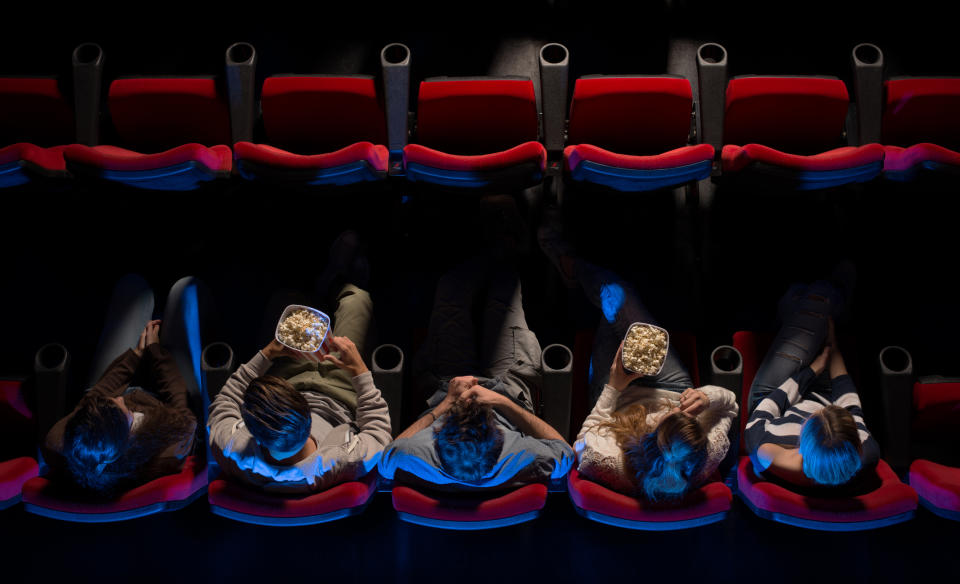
(349, 359)
(484, 396)
(149, 336)
(820, 363)
(693, 401)
(274, 350)
(458, 385)
(620, 378)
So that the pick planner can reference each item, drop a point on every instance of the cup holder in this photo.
(217, 356)
(387, 358)
(726, 359)
(712, 54)
(395, 54)
(554, 54)
(895, 360)
(240, 53)
(88, 54)
(867, 54)
(51, 357)
(557, 358)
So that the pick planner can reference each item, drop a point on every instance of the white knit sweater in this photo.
(600, 458)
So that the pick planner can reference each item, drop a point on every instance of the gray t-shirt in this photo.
(523, 459)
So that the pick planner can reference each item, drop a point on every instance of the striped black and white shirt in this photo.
(779, 417)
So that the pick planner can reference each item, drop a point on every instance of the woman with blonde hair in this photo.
(653, 436)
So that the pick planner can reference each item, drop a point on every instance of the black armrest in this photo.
(557, 361)
(87, 89)
(726, 369)
(867, 60)
(51, 366)
(712, 76)
(896, 385)
(554, 81)
(395, 62)
(241, 69)
(388, 377)
(217, 361)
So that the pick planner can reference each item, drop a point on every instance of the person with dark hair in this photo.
(803, 428)
(287, 424)
(652, 436)
(480, 431)
(135, 424)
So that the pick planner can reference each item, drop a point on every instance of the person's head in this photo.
(94, 439)
(664, 460)
(830, 446)
(277, 415)
(468, 442)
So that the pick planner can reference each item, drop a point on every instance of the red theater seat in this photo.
(938, 487)
(45, 497)
(921, 127)
(322, 130)
(175, 128)
(36, 120)
(476, 133)
(886, 501)
(469, 511)
(707, 504)
(630, 133)
(17, 432)
(791, 129)
(234, 501)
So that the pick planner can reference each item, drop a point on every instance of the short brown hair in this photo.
(276, 414)
(830, 446)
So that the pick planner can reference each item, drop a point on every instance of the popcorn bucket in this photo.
(323, 348)
(623, 358)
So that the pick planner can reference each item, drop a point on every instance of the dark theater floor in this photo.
(711, 264)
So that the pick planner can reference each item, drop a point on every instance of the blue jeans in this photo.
(621, 307)
(803, 311)
(506, 347)
(131, 308)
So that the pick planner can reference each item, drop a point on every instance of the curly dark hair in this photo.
(469, 441)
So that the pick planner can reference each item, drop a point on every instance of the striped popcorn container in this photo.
(309, 327)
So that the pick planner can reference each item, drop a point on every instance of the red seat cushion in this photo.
(34, 110)
(684, 156)
(15, 472)
(737, 158)
(939, 485)
(922, 110)
(236, 497)
(936, 407)
(797, 114)
(216, 158)
(47, 158)
(156, 114)
(891, 498)
(466, 508)
(476, 116)
(316, 114)
(898, 159)
(529, 152)
(176, 487)
(709, 499)
(631, 115)
(375, 155)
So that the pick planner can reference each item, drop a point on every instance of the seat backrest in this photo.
(800, 115)
(631, 114)
(936, 406)
(34, 109)
(476, 115)
(310, 114)
(921, 109)
(152, 114)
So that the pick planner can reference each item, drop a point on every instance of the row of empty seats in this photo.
(621, 132)
(884, 500)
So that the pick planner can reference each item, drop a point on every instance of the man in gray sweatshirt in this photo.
(296, 426)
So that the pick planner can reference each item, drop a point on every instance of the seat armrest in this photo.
(387, 361)
(241, 69)
(51, 366)
(557, 362)
(217, 361)
(726, 368)
(896, 386)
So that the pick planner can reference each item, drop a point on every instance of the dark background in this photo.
(707, 268)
